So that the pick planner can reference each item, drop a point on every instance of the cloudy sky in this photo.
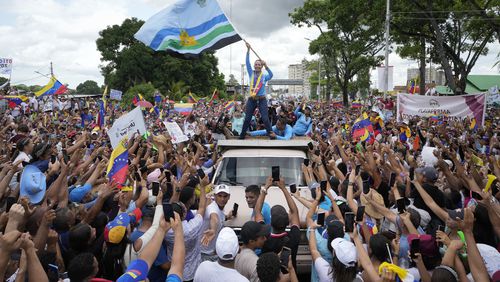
(36, 32)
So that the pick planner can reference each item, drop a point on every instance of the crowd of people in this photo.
(382, 209)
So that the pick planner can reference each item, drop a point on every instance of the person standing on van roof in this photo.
(257, 97)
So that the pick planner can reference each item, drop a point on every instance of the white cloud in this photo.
(36, 32)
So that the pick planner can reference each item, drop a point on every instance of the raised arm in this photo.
(260, 201)
(293, 211)
(179, 252)
(440, 212)
(249, 66)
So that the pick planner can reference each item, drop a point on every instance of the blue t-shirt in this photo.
(266, 213)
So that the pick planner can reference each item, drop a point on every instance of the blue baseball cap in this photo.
(137, 270)
(76, 195)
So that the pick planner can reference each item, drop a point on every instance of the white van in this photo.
(249, 162)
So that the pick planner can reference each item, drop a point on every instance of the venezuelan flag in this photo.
(53, 87)
(411, 87)
(356, 104)
(183, 109)
(405, 133)
(359, 126)
(229, 106)
(15, 100)
(434, 118)
(137, 99)
(191, 98)
(337, 104)
(215, 96)
(118, 164)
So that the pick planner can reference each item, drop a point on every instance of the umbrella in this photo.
(144, 104)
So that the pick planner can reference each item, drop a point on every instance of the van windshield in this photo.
(245, 171)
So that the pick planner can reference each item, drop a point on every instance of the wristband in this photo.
(350, 184)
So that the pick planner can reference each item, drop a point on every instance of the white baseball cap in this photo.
(227, 245)
(345, 251)
(221, 188)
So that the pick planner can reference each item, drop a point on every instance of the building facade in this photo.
(299, 71)
(431, 74)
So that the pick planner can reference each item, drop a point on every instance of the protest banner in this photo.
(5, 66)
(449, 107)
(175, 132)
(127, 125)
(115, 94)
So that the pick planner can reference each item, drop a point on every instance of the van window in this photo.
(245, 171)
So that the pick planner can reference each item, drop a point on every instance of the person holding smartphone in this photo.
(280, 220)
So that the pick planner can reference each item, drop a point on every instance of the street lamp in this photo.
(318, 87)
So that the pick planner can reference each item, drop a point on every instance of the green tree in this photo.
(22, 87)
(350, 37)
(458, 32)
(88, 87)
(3, 80)
(128, 62)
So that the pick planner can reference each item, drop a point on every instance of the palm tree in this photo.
(177, 90)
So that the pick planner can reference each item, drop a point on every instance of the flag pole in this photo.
(252, 49)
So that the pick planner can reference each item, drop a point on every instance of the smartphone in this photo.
(53, 159)
(412, 173)
(235, 209)
(293, 188)
(53, 272)
(167, 174)
(366, 186)
(284, 257)
(310, 145)
(414, 248)
(360, 213)
(306, 162)
(313, 193)
(323, 185)
(156, 188)
(275, 173)
(10, 202)
(392, 179)
(321, 219)
(400, 203)
(441, 228)
(349, 222)
(168, 211)
(201, 173)
(358, 169)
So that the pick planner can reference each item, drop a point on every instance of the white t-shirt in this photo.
(192, 236)
(212, 271)
(212, 208)
(246, 264)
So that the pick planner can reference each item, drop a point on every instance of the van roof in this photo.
(300, 144)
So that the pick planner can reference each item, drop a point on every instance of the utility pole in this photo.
(318, 89)
(51, 70)
(230, 46)
(387, 26)
(243, 80)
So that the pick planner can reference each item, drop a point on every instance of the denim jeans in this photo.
(252, 104)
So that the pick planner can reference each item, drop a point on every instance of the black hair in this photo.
(61, 222)
(341, 272)
(254, 189)
(414, 217)
(79, 237)
(81, 267)
(23, 128)
(483, 228)
(186, 194)
(268, 267)
(442, 275)
(342, 167)
(111, 259)
(378, 246)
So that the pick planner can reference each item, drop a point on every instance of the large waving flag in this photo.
(229, 106)
(183, 109)
(188, 27)
(362, 127)
(53, 87)
(118, 164)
